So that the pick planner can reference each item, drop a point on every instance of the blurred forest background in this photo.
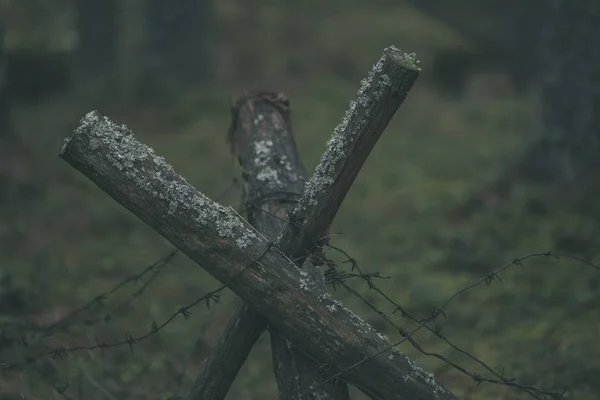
(493, 155)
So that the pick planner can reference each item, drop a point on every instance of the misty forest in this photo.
(469, 237)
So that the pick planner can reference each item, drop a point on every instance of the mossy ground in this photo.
(68, 241)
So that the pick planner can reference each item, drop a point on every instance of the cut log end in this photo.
(407, 60)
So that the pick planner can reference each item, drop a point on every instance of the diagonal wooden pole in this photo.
(254, 268)
(378, 99)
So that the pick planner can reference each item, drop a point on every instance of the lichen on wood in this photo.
(378, 98)
(256, 270)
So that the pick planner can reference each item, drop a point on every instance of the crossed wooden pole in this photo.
(273, 274)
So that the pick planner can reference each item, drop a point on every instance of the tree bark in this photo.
(249, 264)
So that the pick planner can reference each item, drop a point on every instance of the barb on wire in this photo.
(60, 352)
(500, 379)
(130, 340)
(335, 277)
(154, 269)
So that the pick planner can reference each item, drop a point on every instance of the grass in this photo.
(69, 241)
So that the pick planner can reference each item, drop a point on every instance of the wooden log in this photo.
(273, 175)
(226, 359)
(253, 267)
(380, 95)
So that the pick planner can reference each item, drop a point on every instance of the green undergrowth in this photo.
(66, 241)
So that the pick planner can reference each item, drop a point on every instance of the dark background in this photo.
(494, 155)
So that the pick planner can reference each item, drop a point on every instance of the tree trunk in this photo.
(569, 144)
(565, 152)
(97, 27)
(179, 39)
(503, 34)
(5, 122)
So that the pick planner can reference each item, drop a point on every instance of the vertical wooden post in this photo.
(273, 175)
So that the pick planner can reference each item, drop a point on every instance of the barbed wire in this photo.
(154, 269)
(61, 352)
(333, 277)
(70, 319)
(100, 299)
(422, 323)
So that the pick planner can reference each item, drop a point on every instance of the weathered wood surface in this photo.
(226, 359)
(253, 267)
(380, 95)
(273, 177)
